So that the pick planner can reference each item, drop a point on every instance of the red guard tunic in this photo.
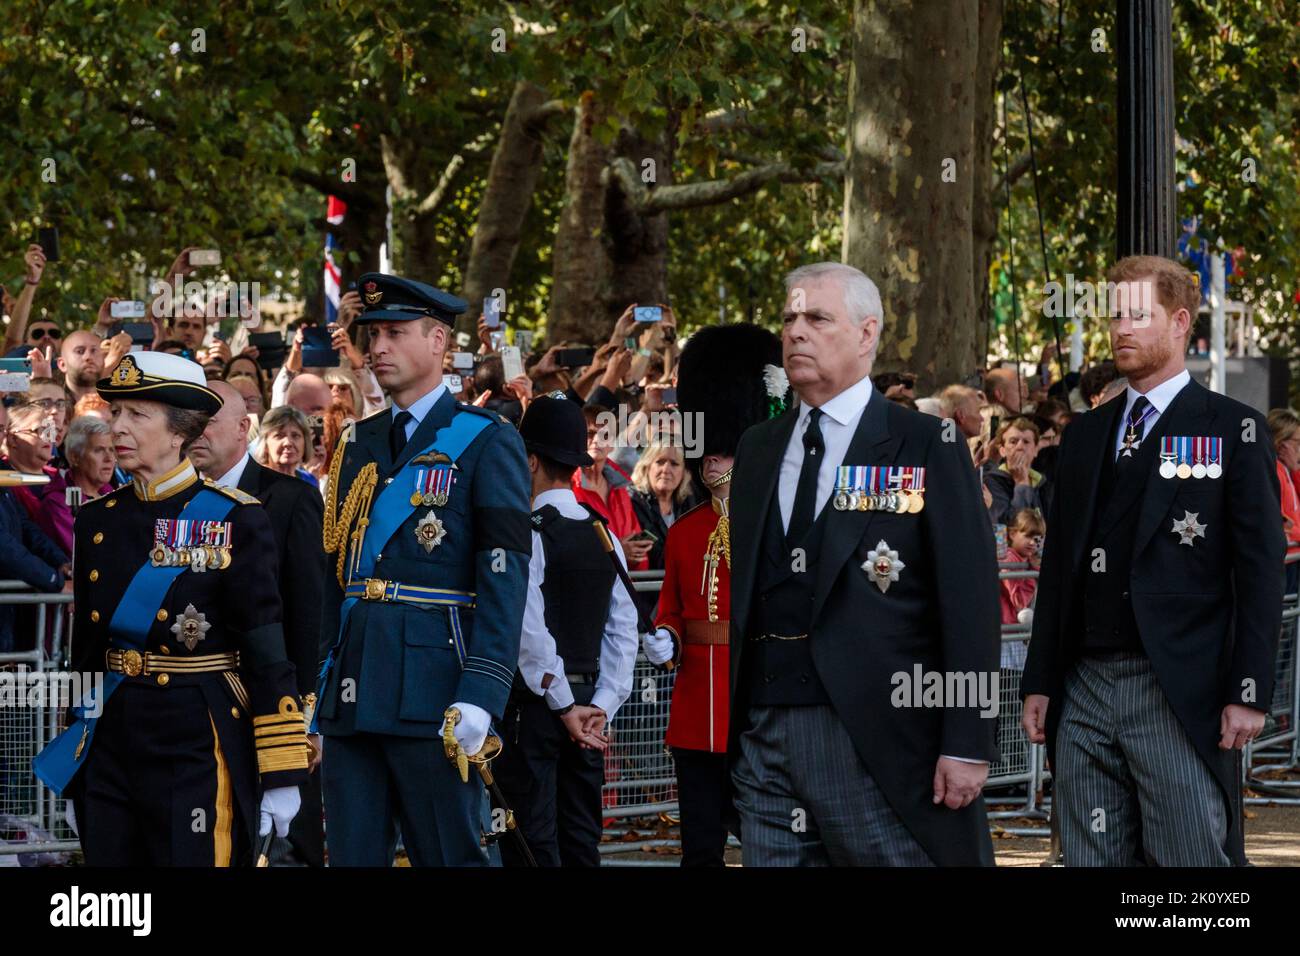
(698, 717)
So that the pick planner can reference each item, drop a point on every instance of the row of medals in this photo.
(429, 500)
(900, 501)
(198, 558)
(1183, 470)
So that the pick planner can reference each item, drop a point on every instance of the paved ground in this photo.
(1272, 839)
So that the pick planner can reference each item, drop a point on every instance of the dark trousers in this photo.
(374, 781)
(551, 783)
(307, 832)
(702, 783)
(157, 787)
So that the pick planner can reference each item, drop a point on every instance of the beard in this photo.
(86, 376)
(1144, 360)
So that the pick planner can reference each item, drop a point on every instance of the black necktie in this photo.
(397, 434)
(805, 496)
(1134, 428)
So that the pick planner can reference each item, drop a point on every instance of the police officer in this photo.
(576, 654)
(176, 605)
(427, 517)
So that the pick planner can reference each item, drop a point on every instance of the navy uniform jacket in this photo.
(112, 539)
(396, 669)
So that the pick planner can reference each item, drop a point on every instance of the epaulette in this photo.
(243, 497)
(486, 413)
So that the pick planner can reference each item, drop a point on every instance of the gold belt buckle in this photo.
(375, 588)
(132, 664)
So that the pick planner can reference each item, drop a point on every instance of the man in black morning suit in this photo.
(295, 509)
(836, 603)
(1159, 601)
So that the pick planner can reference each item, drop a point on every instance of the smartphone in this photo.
(462, 340)
(648, 313)
(127, 310)
(316, 349)
(218, 335)
(524, 339)
(266, 341)
(455, 384)
(462, 360)
(48, 238)
(575, 358)
(644, 535)
(994, 423)
(668, 396)
(15, 375)
(492, 312)
(512, 364)
(498, 339)
(630, 343)
(141, 332)
(205, 257)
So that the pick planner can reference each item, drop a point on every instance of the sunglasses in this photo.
(54, 333)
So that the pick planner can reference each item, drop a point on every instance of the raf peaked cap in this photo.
(386, 298)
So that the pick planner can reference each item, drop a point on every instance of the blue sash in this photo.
(389, 512)
(63, 756)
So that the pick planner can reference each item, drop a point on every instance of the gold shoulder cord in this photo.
(719, 549)
(335, 531)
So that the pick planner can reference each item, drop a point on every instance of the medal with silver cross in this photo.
(882, 566)
(1188, 528)
(191, 627)
(429, 531)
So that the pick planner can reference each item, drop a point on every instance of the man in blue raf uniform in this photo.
(428, 516)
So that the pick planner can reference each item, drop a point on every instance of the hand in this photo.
(1018, 464)
(623, 327)
(547, 364)
(250, 352)
(988, 497)
(1239, 724)
(485, 334)
(481, 399)
(1048, 353)
(40, 363)
(341, 342)
(618, 368)
(218, 351)
(279, 806)
(1034, 719)
(181, 266)
(575, 722)
(114, 349)
(594, 724)
(34, 259)
(957, 783)
(658, 646)
(472, 729)
(293, 361)
(654, 397)
(635, 549)
(349, 307)
(521, 389)
(317, 751)
(104, 318)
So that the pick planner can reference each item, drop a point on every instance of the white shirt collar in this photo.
(842, 407)
(555, 496)
(231, 478)
(1161, 395)
(420, 407)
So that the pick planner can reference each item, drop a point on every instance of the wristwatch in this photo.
(563, 710)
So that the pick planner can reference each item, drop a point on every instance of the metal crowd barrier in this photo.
(640, 791)
(32, 822)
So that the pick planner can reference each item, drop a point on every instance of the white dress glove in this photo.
(658, 646)
(279, 805)
(472, 729)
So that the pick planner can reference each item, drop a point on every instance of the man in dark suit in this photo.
(295, 510)
(853, 590)
(1160, 599)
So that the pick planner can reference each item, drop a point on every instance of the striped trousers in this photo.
(1130, 789)
(805, 798)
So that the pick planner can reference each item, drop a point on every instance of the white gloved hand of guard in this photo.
(658, 646)
(279, 805)
(472, 728)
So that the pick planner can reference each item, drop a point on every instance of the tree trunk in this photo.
(984, 209)
(579, 263)
(507, 195)
(912, 110)
(636, 243)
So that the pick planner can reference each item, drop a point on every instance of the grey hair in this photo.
(861, 297)
(80, 432)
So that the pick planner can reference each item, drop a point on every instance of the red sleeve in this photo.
(670, 599)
